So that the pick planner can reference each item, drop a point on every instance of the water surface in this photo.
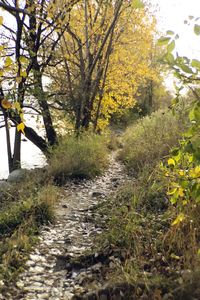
(31, 156)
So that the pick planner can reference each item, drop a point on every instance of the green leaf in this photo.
(169, 58)
(197, 29)
(189, 148)
(138, 4)
(163, 41)
(171, 47)
(195, 64)
(185, 68)
(194, 114)
(175, 151)
(170, 32)
(177, 74)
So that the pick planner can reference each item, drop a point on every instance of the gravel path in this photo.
(46, 274)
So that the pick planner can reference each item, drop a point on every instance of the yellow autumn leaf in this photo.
(181, 192)
(23, 74)
(195, 172)
(6, 104)
(175, 256)
(185, 202)
(17, 106)
(1, 47)
(22, 117)
(180, 218)
(181, 173)
(138, 4)
(18, 79)
(171, 162)
(20, 127)
(172, 192)
(23, 59)
(8, 61)
(1, 20)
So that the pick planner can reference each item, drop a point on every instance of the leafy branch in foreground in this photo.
(183, 168)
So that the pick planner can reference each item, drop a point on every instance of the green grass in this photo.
(19, 227)
(83, 157)
(150, 139)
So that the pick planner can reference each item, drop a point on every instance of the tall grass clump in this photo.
(83, 157)
(150, 139)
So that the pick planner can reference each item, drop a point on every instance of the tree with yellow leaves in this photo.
(106, 53)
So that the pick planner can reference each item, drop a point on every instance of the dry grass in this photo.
(83, 157)
(149, 140)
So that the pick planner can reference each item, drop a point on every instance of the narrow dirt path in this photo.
(46, 274)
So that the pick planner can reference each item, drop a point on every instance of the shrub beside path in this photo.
(50, 272)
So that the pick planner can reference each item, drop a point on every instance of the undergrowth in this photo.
(150, 139)
(154, 254)
(82, 157)
(28, 205)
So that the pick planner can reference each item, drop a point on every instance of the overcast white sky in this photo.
(171, 15)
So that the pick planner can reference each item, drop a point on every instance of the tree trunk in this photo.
(9, 152)
(16, 162)
(46, 115)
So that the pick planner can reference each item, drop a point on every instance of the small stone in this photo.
(35, 289)
(30, 263)
(43, 296)
(1, 283)
(97, 266)
(112, 265)
(168, 296)
(37, 270)
(68, 295)
(65, 206)
(114, 179)
(36, 284)
(20, 284)
(98, 194)
(37, 258)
